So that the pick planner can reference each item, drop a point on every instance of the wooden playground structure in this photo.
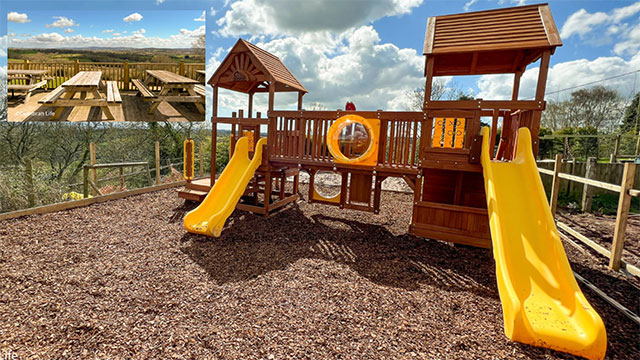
(436, 151)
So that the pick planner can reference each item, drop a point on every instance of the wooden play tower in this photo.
(436, 151)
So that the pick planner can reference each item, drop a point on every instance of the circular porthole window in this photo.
(327, 184)
(351, 139)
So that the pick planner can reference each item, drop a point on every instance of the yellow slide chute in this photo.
(541, 301)
(209, 218)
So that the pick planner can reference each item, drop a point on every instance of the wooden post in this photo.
(516, 85)
(572, 167)
(76, 67)
(181, 69)
(121, 169)
(616, 149)
(622, 216)
(429, 63)
(29, 174)
(587, 191)
(300, 95)
(126, 75)
(149, 175)
(85, 177)
(201, 158)
(92, 161)
(555, 186)
(638, 142)
(157, 148)
(250, 109)
(214, 134)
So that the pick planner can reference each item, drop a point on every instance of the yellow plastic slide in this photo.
(210, 216)
(541, 301)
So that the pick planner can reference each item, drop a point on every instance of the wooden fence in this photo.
(121, 72)
(626, 192)
(610, 146)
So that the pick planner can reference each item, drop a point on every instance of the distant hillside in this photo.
(107, 55)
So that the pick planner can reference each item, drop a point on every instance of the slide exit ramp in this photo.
(209, 217)
(541, 301)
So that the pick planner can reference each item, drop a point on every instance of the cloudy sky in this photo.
(369, 52)
(85, 28)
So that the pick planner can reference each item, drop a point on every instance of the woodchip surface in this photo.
(122, 279)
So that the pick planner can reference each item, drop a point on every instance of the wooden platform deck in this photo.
(132, 109)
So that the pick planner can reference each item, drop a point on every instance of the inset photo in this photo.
(107, 66)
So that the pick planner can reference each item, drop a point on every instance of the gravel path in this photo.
(122, 279)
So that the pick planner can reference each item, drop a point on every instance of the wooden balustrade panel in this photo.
(399, 142)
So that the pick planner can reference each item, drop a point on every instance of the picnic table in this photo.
(171, 83)
(83, 82)
(34, 80)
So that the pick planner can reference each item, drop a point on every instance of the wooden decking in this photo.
(132, 109)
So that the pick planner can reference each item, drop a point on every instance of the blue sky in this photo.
(370, 52)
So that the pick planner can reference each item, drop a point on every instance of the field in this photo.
(123, 279)
(106, 55)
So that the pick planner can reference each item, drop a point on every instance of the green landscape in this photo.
(189, 55)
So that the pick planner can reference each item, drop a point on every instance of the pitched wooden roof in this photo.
(247, 68)
(493, 41)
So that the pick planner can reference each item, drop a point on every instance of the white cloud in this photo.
(11, 34)
(469, 4)
(18, 17)
(212, 11)
(133, 17)
(354, 66)
(582, 22)
(62, 22)
(267, 17)
(631, 42)
(158, 2)
(564, 75)
(107, 31)
(3, 46)
(201, 17)
(68, 31)
(137, 39)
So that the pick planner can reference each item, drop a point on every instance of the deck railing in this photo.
(122, 72)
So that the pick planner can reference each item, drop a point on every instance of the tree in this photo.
(440, 90)
(161, 58)
(199, 44)
(598, 107)
(631, 117)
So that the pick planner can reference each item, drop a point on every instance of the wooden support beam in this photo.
(587, 191)
(92, 161)
(157, 153)
(622, 215)
(555, 185)
(214, 134)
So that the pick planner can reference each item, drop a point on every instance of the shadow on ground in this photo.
(252, 245)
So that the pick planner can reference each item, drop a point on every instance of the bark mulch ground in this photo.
(122, 279)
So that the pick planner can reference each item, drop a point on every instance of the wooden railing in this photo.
(301, 136)
(626, 191)
(122, 72)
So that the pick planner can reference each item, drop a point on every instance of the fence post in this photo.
(572, 168)
(26, 64)
(157, 145)
(616, 149)
(587, 191)
(126, 75)
(76, 67)
(621, 217)
(201, 159)
(555, 185)
(121, 178)
(29, 173)
(181, 69)
(85, 183)
(92, 161)
(638, 144)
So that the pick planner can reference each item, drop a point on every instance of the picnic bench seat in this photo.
(113, 94)
(52, 96)
(27, 88)
(143, 89)
(200, 90)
